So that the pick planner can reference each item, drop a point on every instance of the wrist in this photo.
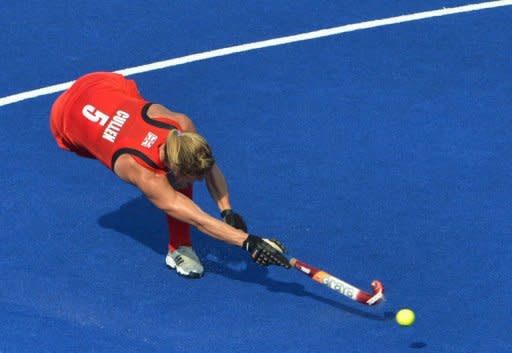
(245, 243)
(249, 242)
(226, 211)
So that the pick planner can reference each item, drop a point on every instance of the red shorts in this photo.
(60, 115)
(57, 121)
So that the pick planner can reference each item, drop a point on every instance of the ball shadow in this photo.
(418, 345)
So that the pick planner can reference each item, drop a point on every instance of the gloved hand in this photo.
(234, 219)
(265, 251)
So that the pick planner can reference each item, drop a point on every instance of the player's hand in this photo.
(265, 251)
(234, 219)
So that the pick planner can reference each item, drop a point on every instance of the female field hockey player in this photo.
(103, 116)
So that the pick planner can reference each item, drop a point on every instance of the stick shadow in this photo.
(141, 221)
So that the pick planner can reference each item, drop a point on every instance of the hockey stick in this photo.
(340, 286)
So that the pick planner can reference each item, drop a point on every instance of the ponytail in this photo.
(189, 153)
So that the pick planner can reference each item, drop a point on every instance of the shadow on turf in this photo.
(255, 274)
(140, 220)
(418, 345)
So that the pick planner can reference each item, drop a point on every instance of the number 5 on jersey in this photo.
(94, 115)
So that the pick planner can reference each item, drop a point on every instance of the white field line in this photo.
(267, 43)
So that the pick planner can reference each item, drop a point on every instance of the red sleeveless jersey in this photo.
(103, 116)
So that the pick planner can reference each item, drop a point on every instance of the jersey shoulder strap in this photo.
(145, 137)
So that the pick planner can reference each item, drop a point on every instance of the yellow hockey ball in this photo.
(405, 317)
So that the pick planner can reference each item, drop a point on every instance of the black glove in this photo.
(234, 219)
(265, 251)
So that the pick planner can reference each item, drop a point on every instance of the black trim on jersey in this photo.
(150, 121)
(136, 153)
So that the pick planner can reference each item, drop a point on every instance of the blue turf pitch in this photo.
(382, 153)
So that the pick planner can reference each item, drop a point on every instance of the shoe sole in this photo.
(172, 265)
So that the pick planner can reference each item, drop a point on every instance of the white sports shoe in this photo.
(185, 261)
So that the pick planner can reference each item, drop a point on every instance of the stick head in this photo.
(378, 293)
(377, 287)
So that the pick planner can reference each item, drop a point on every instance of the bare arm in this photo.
(218, 189)
(157, 189)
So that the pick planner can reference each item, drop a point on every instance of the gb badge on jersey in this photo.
(149, 140)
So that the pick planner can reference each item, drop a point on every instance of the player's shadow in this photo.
(140, 220)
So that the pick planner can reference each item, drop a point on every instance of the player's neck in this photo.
(161, 152)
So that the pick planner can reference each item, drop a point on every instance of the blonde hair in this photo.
(189, 153)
